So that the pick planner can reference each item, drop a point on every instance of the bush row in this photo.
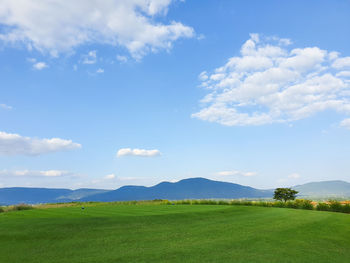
(333, 206)
(15, 208)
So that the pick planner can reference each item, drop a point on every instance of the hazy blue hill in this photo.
(193, 188)
(16, 195)
(80, 193)
(324, 189)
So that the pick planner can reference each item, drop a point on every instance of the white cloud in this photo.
(122, 59)
(290, 179)
(100, 70)
(294, 176)
(235, 173)
(343, 74)
(40, 65)
(272, 83)
(109, 177)
(90, 58)
(203, 76)
(14, 144)
(342, 63)
(345, 123)
(138, 152)
(60, 26)
(201, 37)
(46, 173)
(6, 107)
(129, 178)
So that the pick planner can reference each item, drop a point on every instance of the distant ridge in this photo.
(28, 195)
(192, 188)
(334, 188)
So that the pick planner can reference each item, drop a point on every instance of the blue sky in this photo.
(137, 92)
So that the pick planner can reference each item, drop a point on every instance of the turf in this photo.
(173, 233)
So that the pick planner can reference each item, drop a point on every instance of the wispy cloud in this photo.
(294, 176)
(137, 152)
(90, 58)
(235, 173)
(122, 59)
(345, 123)
(290, 179)
(34, 173)
(6, 107)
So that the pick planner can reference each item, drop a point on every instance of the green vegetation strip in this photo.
(331, 206)
(173, 233)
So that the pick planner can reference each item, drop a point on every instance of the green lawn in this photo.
(173, 233)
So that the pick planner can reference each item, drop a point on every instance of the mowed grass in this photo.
(173, 233)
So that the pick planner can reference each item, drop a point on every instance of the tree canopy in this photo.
(284, 194)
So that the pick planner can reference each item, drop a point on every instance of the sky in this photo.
(102, 94)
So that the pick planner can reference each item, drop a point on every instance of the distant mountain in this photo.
(17, 195)
(193, 188)
(79, 193)
(324, 189)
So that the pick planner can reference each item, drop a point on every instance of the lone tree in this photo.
(284, 194)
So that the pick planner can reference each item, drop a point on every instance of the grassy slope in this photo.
(165, 233)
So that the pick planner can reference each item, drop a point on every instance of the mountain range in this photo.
(192, 188)
(324, 189)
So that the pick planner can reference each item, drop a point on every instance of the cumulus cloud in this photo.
(340, 63)
(345, 123)
(37, 65)
(109, 177)
(46, 173)
(272, 83)
(40, 65)
(14, 144)
(138, 152)
(100, 70)
(60, 26)
(5, 107)
(235, 173)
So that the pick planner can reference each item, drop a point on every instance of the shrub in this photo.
(291, 204)
(247, 203)
(323, 207)
(22, 207)
(222, 202)
(1, 210)
(346, 208)
(278, 204)
(235, 202)
(210, 202)
(335, 206)
(307, 204)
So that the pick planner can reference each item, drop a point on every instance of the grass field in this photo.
(173, 233)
